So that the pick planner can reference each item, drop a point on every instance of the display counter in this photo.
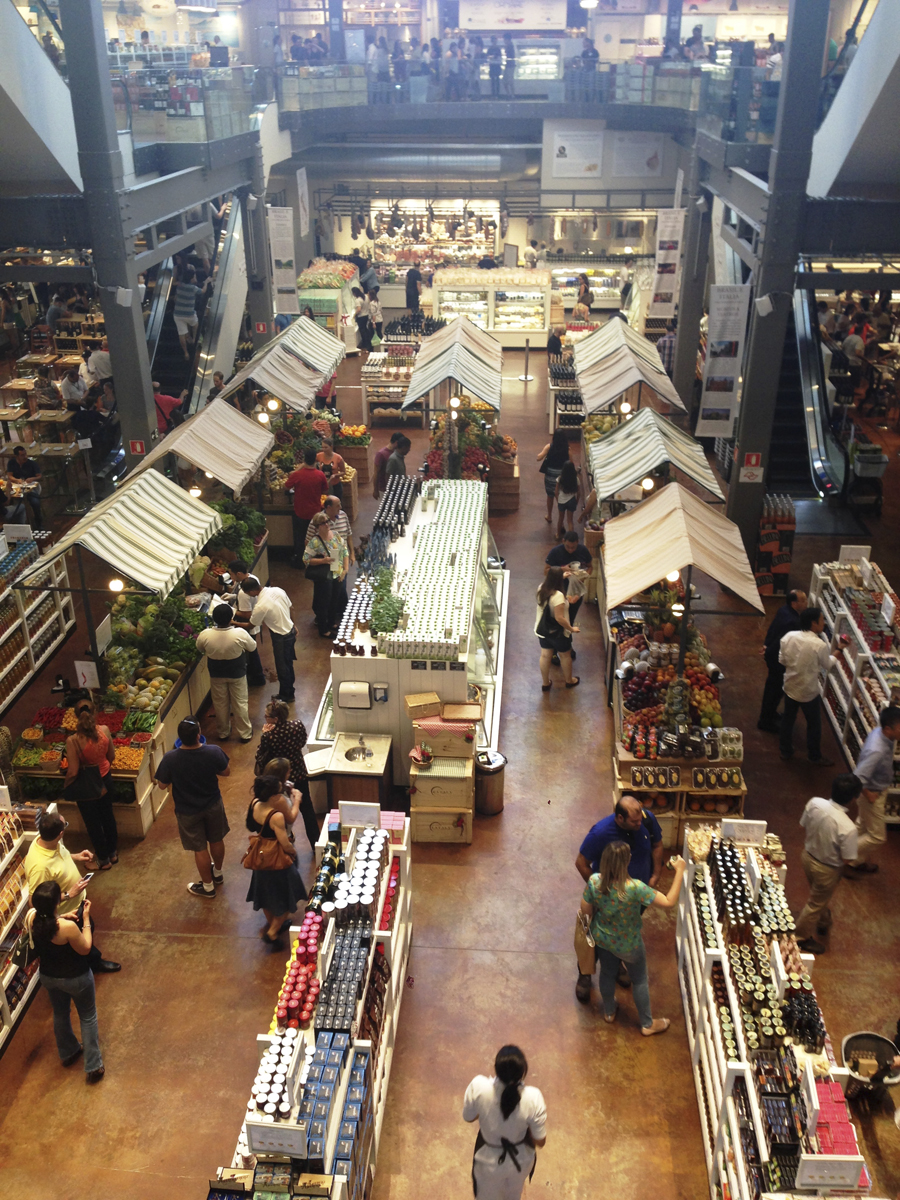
(434, 234)
(385, 379)
(769, 1089)
(855, 596)
(18, 985)
(382, 669)
(33, 623)
(512, 304)
(329, 1066)
(604, 281)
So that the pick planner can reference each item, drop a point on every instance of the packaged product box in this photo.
(307, 1184)
(422, 704)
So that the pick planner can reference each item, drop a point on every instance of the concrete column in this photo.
(259, 24)
(780, 239)
(102, 171)
(697, 226)
(672, 29)
(335, 35)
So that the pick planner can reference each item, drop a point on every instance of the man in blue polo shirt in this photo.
(628, 823)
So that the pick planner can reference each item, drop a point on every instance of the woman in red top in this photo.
(90, 754)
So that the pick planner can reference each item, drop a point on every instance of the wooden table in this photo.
(11, 414)
(17, 385)
(31, 362)
(67, 362)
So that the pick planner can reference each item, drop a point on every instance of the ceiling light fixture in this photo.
(116, 585)
(195, 492)
(647, 484)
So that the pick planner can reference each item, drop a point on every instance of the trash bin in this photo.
(489, 769)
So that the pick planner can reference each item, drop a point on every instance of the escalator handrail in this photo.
(210, 322)
(828, 480)
(165, 279)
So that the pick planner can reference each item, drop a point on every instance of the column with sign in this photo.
(284, 269)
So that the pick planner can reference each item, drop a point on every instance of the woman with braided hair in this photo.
(512, 1122)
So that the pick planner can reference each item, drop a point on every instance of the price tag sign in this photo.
(87, 674)
(888, 608)
(84, 443)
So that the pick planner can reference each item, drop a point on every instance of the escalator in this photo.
(219, 330)
(805, 457)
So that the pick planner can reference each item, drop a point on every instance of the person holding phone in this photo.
(64, 943)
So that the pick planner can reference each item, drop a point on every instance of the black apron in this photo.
(508, 1148)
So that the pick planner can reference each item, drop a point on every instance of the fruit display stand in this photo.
(385, 378)
(341, 1062)
(33, 622)
(856, 599)
(770, 1092)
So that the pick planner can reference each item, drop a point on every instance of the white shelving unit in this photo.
(36, 648)
(844, 680)
(10, 1018)
(714, 1076)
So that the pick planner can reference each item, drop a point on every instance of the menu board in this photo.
(667, 272)
(721, 394)
(281, 247)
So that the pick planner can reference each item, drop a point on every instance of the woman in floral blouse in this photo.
(615, 902)
(282, 738)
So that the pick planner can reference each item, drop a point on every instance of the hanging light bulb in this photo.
(454, 401)
(588, 3)
(624, 407)
(453, 416)
(673, 576)
(647, 483)
(628, 416)
(116, 585)
(209, 474)
(262, 417)
(195, 492)
(273, 405)
(677, 608)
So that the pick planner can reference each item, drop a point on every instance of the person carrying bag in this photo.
(90, 753)
(275, 885)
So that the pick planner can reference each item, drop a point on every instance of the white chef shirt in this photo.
(483, 1101)
(803, 654)
(831, 836)
(273, 609)
(247, 603)
(101, 364)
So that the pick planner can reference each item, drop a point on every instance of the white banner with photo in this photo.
(517, 15)
(577, 155)
(667, 272)
(638, 155)
(721, 393)
(284, 271)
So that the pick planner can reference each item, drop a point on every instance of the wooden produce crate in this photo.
(503, 491)
(361, 458)
(504, 468)
(670, 824)
(430, 788)
(441, 825)
(445, 745)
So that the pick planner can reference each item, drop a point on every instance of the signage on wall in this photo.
(667, 272)
(519, 15)
(136, 448)
(281, 247)
(720, 397)
(577, 155)
(262, 327)
(638, 155)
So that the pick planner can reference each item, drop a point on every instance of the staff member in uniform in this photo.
(875, 771)
(786, 620)
(512, 1122)
(273, 609)
(640, 830)
(831, 841)
(227, 649)
(239, 571)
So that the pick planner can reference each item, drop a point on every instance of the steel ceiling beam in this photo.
(166, 247)
(748, 195)
(38, 273)
(163, 199)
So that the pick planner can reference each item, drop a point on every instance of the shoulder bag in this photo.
(265, 854)
(87, 785)
(548, 626)
(321, 571)
(584, 944)
(24, 952)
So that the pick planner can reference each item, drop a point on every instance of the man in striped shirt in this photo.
(666, 348)
(339, 522)
(185, 311)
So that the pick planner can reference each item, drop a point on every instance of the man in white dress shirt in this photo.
(273, 609)
(803, 654)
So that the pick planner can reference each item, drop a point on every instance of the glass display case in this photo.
(464, 302)
(604, 282)
(448, 233)
(537, 61)
(518, 309)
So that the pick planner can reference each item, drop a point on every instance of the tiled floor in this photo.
(492, 959)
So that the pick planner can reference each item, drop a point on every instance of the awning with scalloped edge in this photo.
(294, 365)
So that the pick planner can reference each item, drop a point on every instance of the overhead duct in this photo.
(375, 165)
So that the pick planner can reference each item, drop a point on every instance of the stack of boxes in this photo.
(677, 86)
(634, 83)
(775, 548)
(442, 791)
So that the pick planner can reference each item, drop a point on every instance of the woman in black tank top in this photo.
(63, 943)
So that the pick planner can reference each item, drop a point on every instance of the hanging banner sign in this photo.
(281, 246)
(517, 15)
(721, 396)
(667, 273)
(303, 200)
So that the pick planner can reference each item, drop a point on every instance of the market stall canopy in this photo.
(150, 530)
(616, 358)
(294, 365)
(639, 446)
(218, 439)
(462, 352)
(668, 532)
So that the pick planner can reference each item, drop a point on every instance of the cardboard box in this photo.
(446, 745)
(432, 788)
(441, 825)
(422, 704)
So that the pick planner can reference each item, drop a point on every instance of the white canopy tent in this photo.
(294, 365)
(462, 352)
(668, 532)
(639, 446)
(616, 358)
(218, 439)
(150, 530)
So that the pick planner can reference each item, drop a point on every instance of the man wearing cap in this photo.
(48, 859)
(227, 649)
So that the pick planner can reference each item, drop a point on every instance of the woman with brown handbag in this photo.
(276, 886)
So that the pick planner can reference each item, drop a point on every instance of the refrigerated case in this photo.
(473, 303)
(539, 62)
(513, 304)
(604, 280)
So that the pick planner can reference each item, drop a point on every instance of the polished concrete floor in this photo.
(491, 960)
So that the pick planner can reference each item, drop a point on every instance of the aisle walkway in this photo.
(492, 957)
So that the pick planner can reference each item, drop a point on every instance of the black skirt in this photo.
(276, 891)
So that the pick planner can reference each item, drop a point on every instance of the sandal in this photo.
(575, 682)
(105, 866)
(114, 858)
(545, 687)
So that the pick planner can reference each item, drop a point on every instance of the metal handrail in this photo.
(161, 292)
(213, 315)
(830, 477)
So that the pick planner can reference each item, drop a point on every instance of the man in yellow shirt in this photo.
(47, 859)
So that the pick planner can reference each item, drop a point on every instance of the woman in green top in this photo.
(614, 902)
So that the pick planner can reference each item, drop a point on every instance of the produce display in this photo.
(322, 274)
(471, 446)
(295, 433)
(432, 234)
(597, 425)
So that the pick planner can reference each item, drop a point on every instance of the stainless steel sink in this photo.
(358, 753)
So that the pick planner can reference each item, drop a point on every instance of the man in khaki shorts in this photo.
(831, 841)
(192, 772)
(875, 771)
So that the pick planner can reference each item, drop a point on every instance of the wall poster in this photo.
(721, 394)
(512, 14)
(577, 155)
(667, 273)
(284, 271)
(638, 155)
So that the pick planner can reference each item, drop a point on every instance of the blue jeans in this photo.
(81, 990)
(640, 984)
